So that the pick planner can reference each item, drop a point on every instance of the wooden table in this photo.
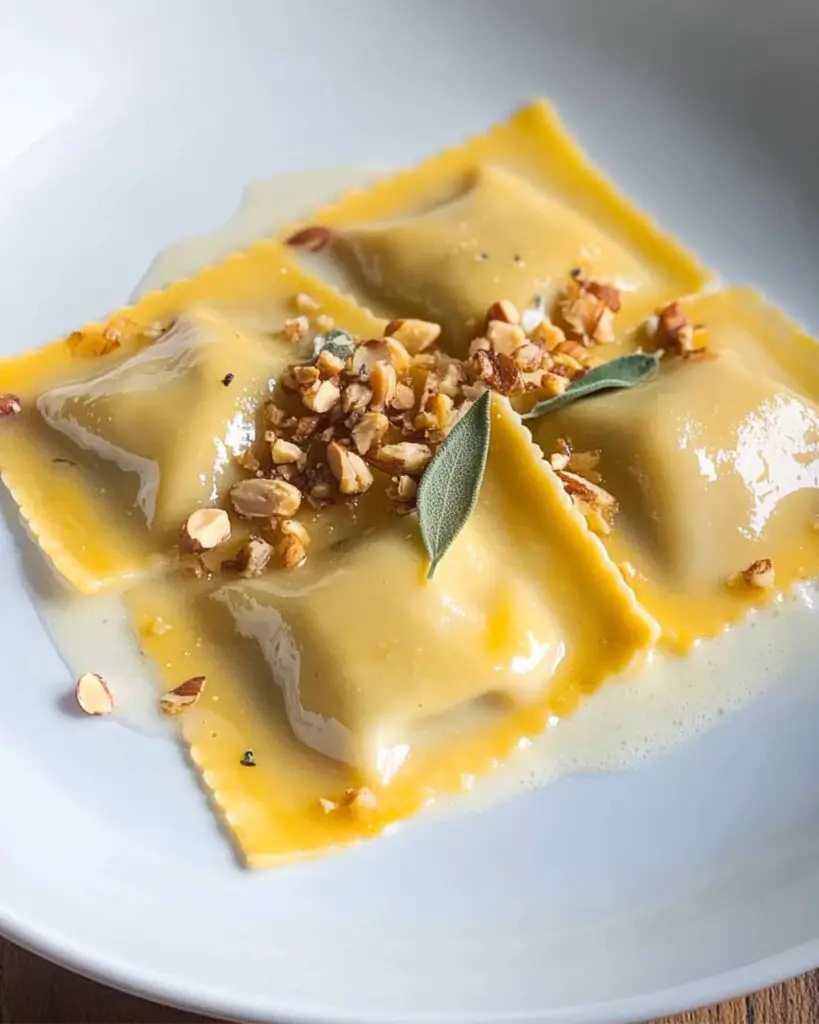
(34, 992)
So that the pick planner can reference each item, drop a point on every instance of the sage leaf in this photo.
(451, 483)
(624, 372)
(338, 343)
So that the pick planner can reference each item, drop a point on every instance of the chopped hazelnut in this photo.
(528, 357)
(9, 405)
(328, 364)
(504, 311)
(356, 397)
(351, 471)
(675, 332)
(305, 375)
(504, 337)
(370, 430)
(404, 397)
(305, 427)
(184, 696)
(759, 575)
(314, 238)
(588, 307)
(414, 335)
(406, 456)
(255, 556)
(406, 488)
(384, 382)
(291, 552)
(323, 398)
(293, 528)
(262, 499)
(284, 452)
(578, 486)
(93, 695)
(295, 328)
(548, 334)
(206, 528)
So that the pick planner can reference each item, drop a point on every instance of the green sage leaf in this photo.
(624, 372)
(451, 483)
(338, 343)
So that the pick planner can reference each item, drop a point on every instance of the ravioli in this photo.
(506, 215)
(358, 670)
(127, 427)
(714, 465)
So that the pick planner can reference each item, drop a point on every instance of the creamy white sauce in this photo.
(626, 723)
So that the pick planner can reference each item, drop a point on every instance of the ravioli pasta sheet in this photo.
(357, 671)
(127, 427)
(714, 465)
(506, 215)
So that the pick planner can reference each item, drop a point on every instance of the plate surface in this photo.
(599, 899)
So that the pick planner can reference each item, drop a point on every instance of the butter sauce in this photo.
(625, 724)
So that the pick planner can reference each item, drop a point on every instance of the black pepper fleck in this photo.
(576, 272)
(483, 256)
(517, 257)
(248, 760)
(227, 380)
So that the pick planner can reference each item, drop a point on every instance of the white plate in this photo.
(603, 898)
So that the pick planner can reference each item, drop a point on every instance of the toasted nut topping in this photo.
(552, 384)
(184, 696)
(759, 575)
(384, 382)
(504, 337)
(370, 430)
(304, 376)
(328, 806)
(675, 332)
(329, 365)
(406, 457)
(497, 370)
(313, 238)
(93, 695)
(9, 405)
(404, 397)
(306, 303)
(247, 460)
(284, 452)
(592, 494)
(262, 499)
(255, 556)
(503, 310)
(414, 335)
(588, 307)
(406, 488)
(528, 357)
(206, 528)
(606, 293)
(323, 398)
(293, 528)
(548, 334)
(305, 427)
(356, 397)
(559, 460)
(295, 328)
(351, 471)
(291, 552)
(585, 464)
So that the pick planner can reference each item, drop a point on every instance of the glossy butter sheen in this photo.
(504, 216)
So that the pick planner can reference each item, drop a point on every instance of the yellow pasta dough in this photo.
(505, 216)
(127, 427)
(714, 465)
(358, 671)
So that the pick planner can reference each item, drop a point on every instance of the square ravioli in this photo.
(714, 465)
(507, 215)
(339, 677)
(128, 426)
